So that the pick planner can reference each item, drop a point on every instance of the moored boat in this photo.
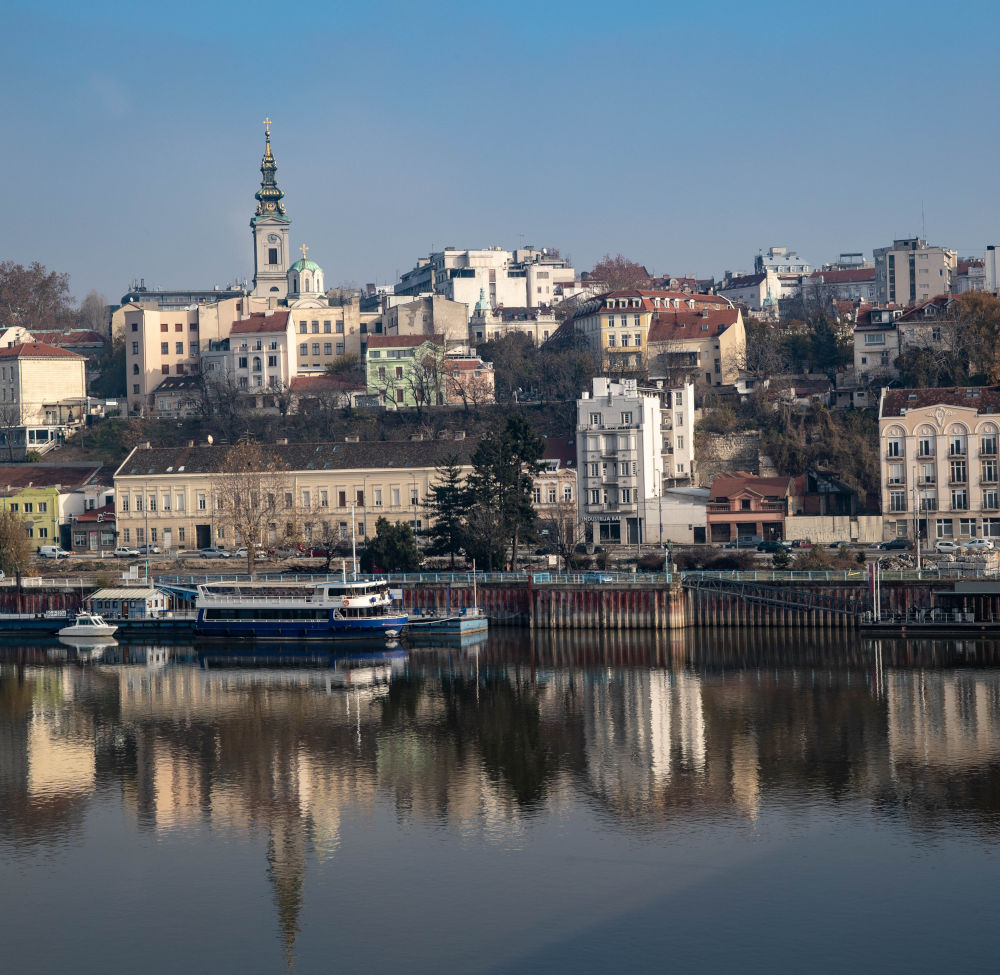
(297, 611)
(88, 625)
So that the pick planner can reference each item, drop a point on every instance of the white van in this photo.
(52, 552)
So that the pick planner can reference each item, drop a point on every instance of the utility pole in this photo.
(354, 549)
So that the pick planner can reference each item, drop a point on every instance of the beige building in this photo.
(616, 326)
(169, 496)
(938, 452)
(909, 272)
(704, 344)
(43, 393)
(539, 324)
(428, 315)
(259, 354)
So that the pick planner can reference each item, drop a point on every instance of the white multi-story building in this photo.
(909, 272)
(258, 354)
(523, 278)
(631, 442)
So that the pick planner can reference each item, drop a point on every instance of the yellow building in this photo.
(616, 325)
(171, 494)
(47, 495)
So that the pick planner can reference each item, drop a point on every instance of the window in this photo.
(897, 501)
(626, 495)
(243, 362)
(399, 396)
(967, 527)
(29, 507)
(894, 447)
(623, 468)
(138, 502)
(272, 255)
(127, 533)
(164, 348)
(272, 361)
(135, 348)
(164, 327)
(611, 321)
(595, 496)
(378, 497)
(327, 348)
(315, 347)
(324, 499)
(896, 474)
(637, 338)
(626, 419)
(611, 341)
(152, 502)
(568, 493)
(202, 502)
(288, 499)
(625, 341)
(341, 499)
(394, 494)
(340, 348)
(179, 348)
(304, 348)
(552, 495)
(340, 328)
(956, 441)
(303, 328)
(194, 347)
(135, 326)
(943, 528)
(536, 495)
(874, 338)
(988, 443)
(124, 504)
(958, 472)
(959, 499)
(315, 328)
(179, 502)
(399, 372)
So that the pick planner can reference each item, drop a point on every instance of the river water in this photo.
(698, 802)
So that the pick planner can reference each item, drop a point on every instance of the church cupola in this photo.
(305, 277)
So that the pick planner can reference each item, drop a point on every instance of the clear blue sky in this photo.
(686, 136)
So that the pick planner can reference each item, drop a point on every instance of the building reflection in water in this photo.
(649, 729)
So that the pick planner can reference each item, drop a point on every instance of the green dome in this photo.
(305, 265)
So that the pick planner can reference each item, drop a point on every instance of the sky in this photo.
(688, 137)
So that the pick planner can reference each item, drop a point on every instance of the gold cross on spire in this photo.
(267, 127)
(303, 248)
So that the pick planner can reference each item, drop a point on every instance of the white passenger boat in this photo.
(298, 611)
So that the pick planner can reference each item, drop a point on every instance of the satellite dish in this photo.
(209, 439)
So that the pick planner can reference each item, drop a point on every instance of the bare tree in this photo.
(15, 546)
(10, 421)
(474, 387)
(93, 314)
(424, 379)
(619, 272)
(34, 297)
(253, 494)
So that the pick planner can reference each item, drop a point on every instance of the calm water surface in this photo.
(712, 801)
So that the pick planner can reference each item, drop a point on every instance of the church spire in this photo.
(268, 196)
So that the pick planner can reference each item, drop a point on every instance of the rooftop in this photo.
(17, 477)
(983, 399)
(402, 341)
(368, 454)
(37, 350)
(690, 323)
(260, 322)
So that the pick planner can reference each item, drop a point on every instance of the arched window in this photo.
(925, 441)
(895, 442)
(256, 363)
(274, 291)
(305, 283)
(957, 440)
(988, 440)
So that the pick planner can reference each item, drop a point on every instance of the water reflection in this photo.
(647, 731)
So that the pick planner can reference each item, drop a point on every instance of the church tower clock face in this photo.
(272, 238)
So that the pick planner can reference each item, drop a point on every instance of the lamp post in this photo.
(354, 550)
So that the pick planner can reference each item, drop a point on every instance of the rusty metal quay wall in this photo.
(621, 605)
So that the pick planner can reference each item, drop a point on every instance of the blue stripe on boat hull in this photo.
(300, 629)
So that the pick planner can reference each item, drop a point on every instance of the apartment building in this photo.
(486, 324)
(876, 343)
(525, 277)
(704, 344)
(616, 325)
(260, 353)
(169, 495)
(908, 271)
(939, 461)
(619, 459)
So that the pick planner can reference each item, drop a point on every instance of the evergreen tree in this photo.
(499, 488)
(393, 549)
(447, 507)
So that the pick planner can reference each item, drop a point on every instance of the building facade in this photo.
(939, 462)
(169, 496)
(704, 345)
(619, 459)
(908, 271)
(741, 505)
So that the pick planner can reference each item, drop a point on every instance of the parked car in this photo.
(241, 553)
(771, 545)
(124, 552)
(839, 544)
(980, 545)
(896, 545)
(744, 541)
(149, 549)
(801, 543)
(945, 547)
(52, 552)
(214, 553)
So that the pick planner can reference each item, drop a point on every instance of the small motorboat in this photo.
(88, 625)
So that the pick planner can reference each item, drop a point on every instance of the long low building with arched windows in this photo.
(938, 452)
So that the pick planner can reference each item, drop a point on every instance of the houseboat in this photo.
(305, 611)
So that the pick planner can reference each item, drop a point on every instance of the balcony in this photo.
(988, 450)
(958, 480)
(927, 479)
(729, 507)
(957, 450)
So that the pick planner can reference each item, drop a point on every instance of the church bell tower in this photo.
(269, 227)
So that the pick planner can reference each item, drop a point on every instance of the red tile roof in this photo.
(561, 449)
(964, 266)
(983, 399)
(847, 276)
(315, 385)
(686, 323)
(69, 476)
(37, 350)
(402, 341)
(63, 339)
(259, 322)
(729, 485)
(104, 513)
